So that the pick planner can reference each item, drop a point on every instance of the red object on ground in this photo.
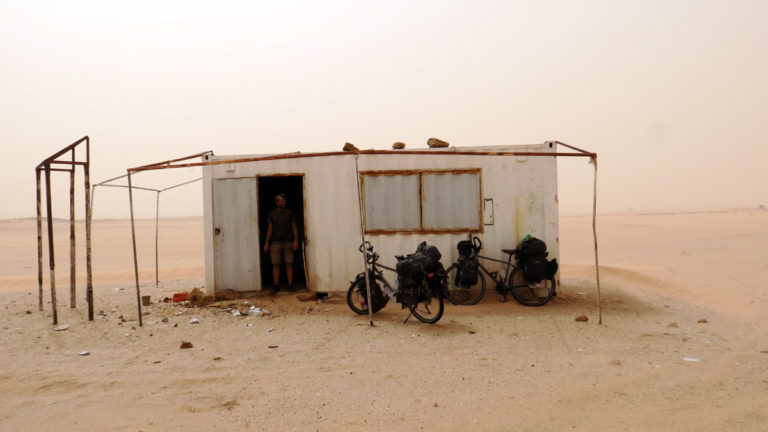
(179, 297)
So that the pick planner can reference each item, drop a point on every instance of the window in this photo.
(422, 201)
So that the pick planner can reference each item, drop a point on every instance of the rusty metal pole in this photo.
(88, 267)
(51, 261)
(594, 234)
(157, 230)
(135, 257)
(39, 244)
(72, 251)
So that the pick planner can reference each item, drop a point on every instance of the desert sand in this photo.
(683, 344)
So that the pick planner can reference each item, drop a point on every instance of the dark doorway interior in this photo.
(293, 188)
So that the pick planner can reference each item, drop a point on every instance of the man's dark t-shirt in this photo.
(281, 224)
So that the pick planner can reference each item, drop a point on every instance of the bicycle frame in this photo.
(508, 268)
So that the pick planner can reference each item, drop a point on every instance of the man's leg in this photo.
(289, 273)
(276, 255)
(276, 273)
(288, 259)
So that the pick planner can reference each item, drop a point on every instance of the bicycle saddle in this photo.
(509, 251)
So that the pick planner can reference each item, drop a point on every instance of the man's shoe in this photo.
(274, 290)
(291, 288)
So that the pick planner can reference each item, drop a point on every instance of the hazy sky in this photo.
(672, 95)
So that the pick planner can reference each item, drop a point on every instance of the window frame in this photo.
(420, 173)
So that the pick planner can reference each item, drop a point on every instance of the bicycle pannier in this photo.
(535, 269)
(467, 274)
(552, 268)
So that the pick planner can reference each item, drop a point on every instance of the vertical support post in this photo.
(72, 249)
(39, 243)
(157, 230)
(51, 261)
(594, 234)
(135, 257)
(88, 267)
(365, 249)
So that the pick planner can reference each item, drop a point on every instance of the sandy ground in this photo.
(683, 344)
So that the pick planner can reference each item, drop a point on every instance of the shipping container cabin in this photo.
(398, 198)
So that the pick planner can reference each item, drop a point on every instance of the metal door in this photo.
(236, 234)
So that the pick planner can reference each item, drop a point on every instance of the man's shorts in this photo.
(281, 252)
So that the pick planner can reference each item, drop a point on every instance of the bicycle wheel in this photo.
(530, 293)
(429, 310)
(357, 295)
(462, 293)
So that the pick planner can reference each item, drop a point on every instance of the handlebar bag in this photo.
(465, 248)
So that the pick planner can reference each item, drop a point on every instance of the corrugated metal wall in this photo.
(523, 190)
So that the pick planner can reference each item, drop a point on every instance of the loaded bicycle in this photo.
(530, 280)
(419, 285)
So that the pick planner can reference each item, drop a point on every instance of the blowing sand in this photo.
(683, 345)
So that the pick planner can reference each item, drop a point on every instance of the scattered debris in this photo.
(61, 327)
(692, 359)
(194, 321)
(270, 329)
(398, 145)
(703, 321)
(226, 294)
(180, 297)
(165, 319)
(616, 362)
(764, 352)
(236, 313)
(472, 332)
(146, 300)
(217, 358)
(273, 346)
(84, 353)
(166, 300)
(306, 296)
(673, 325)
(197, 297)
(582, 318)
(349, 147)
(185, 345)
(29, 312)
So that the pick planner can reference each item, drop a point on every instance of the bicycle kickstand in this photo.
(409, 315)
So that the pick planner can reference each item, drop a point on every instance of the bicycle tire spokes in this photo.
(530, 293)
(463, 292)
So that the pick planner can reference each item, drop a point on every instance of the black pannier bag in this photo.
(410, 276)
(378, 299)
(467, 272)
(535, 268)
(552, 267)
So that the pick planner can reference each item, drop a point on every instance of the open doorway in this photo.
(292, 186)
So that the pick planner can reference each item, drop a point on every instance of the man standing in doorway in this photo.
(282, 241)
